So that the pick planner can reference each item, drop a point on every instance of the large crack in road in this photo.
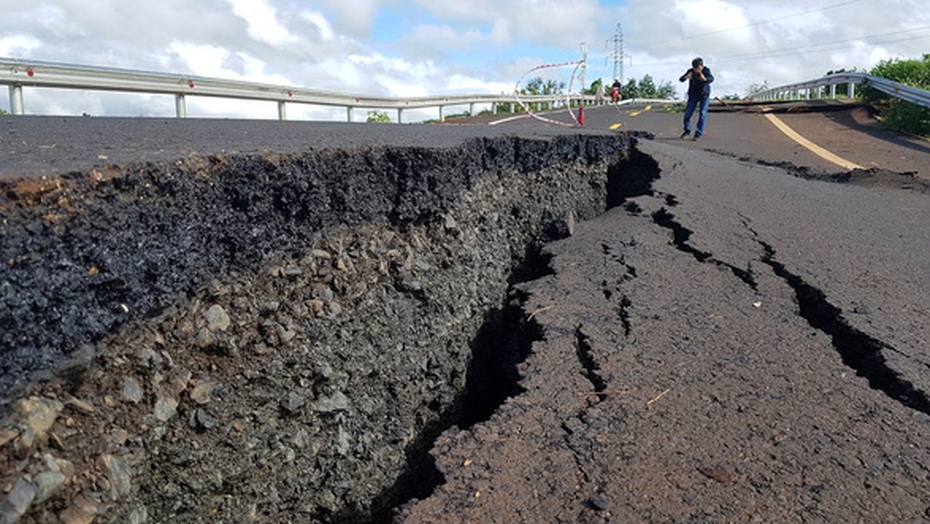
(861, 352)
(342, 336)
(684, 374)
(248, 337)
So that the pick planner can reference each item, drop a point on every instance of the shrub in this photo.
(379, 117)
(898, 115)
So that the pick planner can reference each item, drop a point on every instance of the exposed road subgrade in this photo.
(308, 328)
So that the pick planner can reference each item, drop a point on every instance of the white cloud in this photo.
(548, 22)
(466, 84)
(353, 17)
(455, 46)
(317, 19)
(202, 60)
(262, 21)
(18, 45)
(696, 19)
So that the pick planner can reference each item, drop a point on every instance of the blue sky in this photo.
(421, 47)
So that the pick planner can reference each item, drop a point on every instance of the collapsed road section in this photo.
(235, 338)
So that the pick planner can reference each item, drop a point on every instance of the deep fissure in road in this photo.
(589, 364)
(858, 350)
(505, 340)
(680, 237)
(287, 334)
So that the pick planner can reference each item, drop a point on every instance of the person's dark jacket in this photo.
(698, 88)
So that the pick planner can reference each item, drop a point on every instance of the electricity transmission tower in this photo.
(617, 55)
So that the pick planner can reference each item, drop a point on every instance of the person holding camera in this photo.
(699, 79)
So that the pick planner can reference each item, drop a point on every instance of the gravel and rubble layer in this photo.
(261, 338)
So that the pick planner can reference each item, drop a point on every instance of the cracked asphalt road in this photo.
(738, 345)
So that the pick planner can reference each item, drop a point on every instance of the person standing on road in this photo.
(616, 90)
(699, 79)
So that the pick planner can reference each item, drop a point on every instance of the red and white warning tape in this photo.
(579, 65)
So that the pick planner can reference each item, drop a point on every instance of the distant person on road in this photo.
(616, 91)
(699, 79)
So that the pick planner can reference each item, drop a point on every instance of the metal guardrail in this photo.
(815, 89)
(17, 74)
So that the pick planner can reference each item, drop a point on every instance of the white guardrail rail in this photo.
(815, 89)
(19, 73)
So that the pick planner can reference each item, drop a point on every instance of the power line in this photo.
(831, 46)
(754, 24)
(834, 45)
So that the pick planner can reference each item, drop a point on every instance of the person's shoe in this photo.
(685, 134)
(696, 138)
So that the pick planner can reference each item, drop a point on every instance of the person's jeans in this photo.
(702, 116)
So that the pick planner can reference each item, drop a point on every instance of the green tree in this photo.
(666, 91)
(647, 87)
(379, 117)
(595, 86)
(3, 112)
(630, 89)
(538, 86)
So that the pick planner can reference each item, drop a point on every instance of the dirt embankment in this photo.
(265, 338)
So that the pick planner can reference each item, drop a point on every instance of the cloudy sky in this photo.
(421, 47)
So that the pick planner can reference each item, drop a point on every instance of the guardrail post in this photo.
(180, 105)
(349, 116)
(16, 100)
(400, 115)
(282, 111)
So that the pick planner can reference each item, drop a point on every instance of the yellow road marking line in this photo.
(616, 126)
(814, 148)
